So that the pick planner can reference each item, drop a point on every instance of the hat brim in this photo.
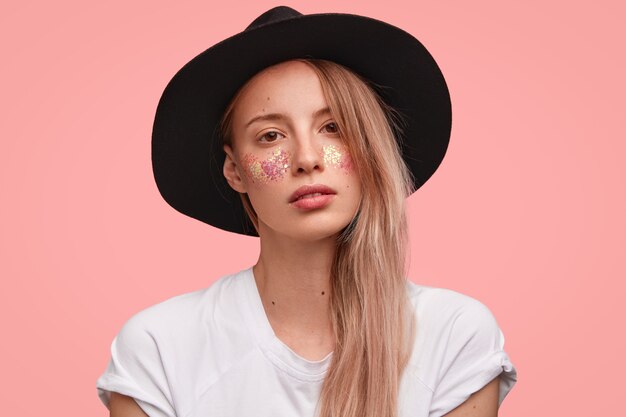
(187, 154)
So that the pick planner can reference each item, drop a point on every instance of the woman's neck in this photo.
(293, 278)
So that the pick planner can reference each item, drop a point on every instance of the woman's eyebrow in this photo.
(321, 112)
(280, 116)
(269, 116)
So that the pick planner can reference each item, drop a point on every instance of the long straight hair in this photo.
(372, 319)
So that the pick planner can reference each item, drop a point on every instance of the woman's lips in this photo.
(312, 196)
(313, 201)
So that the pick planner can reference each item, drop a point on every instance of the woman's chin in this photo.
(303, 232)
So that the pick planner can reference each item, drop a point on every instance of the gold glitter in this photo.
(334, 157)
(255, 169)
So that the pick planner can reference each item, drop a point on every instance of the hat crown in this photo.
(273, 15)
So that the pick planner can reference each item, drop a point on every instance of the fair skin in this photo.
(283, 138)
(297, 246)
(124, 406)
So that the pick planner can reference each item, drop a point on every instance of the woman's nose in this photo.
(307, 156)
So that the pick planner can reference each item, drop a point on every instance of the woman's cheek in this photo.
(337, 157)
(271, 168)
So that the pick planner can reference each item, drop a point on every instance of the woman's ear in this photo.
(232, 171)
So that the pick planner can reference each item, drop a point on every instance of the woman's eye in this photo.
(270, 136)
(331, 127)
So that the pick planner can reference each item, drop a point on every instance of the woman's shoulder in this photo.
(185, 340)
(185, 312)
(444, 305)
(449, 319)
(459, 345)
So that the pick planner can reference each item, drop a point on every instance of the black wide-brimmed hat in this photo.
(187, 153)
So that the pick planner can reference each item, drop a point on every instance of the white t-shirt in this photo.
(213, 353)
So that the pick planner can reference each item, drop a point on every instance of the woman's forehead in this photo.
(290, 86)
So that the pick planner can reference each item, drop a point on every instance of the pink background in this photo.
(526, 212)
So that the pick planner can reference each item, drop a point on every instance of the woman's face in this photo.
(285, 140)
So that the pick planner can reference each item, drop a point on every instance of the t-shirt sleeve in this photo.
(473, 356)
(136, 369)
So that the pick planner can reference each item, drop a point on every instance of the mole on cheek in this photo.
(337, 157)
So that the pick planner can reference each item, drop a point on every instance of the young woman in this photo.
(308, 131)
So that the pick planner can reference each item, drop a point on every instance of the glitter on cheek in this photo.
(276, 165)
(272, 168)
(338, 158)
(346, 162)
(252, 168)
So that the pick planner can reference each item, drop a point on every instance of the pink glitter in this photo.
(346, 162)
(272, 168)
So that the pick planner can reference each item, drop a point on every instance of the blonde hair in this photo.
(371, 315)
